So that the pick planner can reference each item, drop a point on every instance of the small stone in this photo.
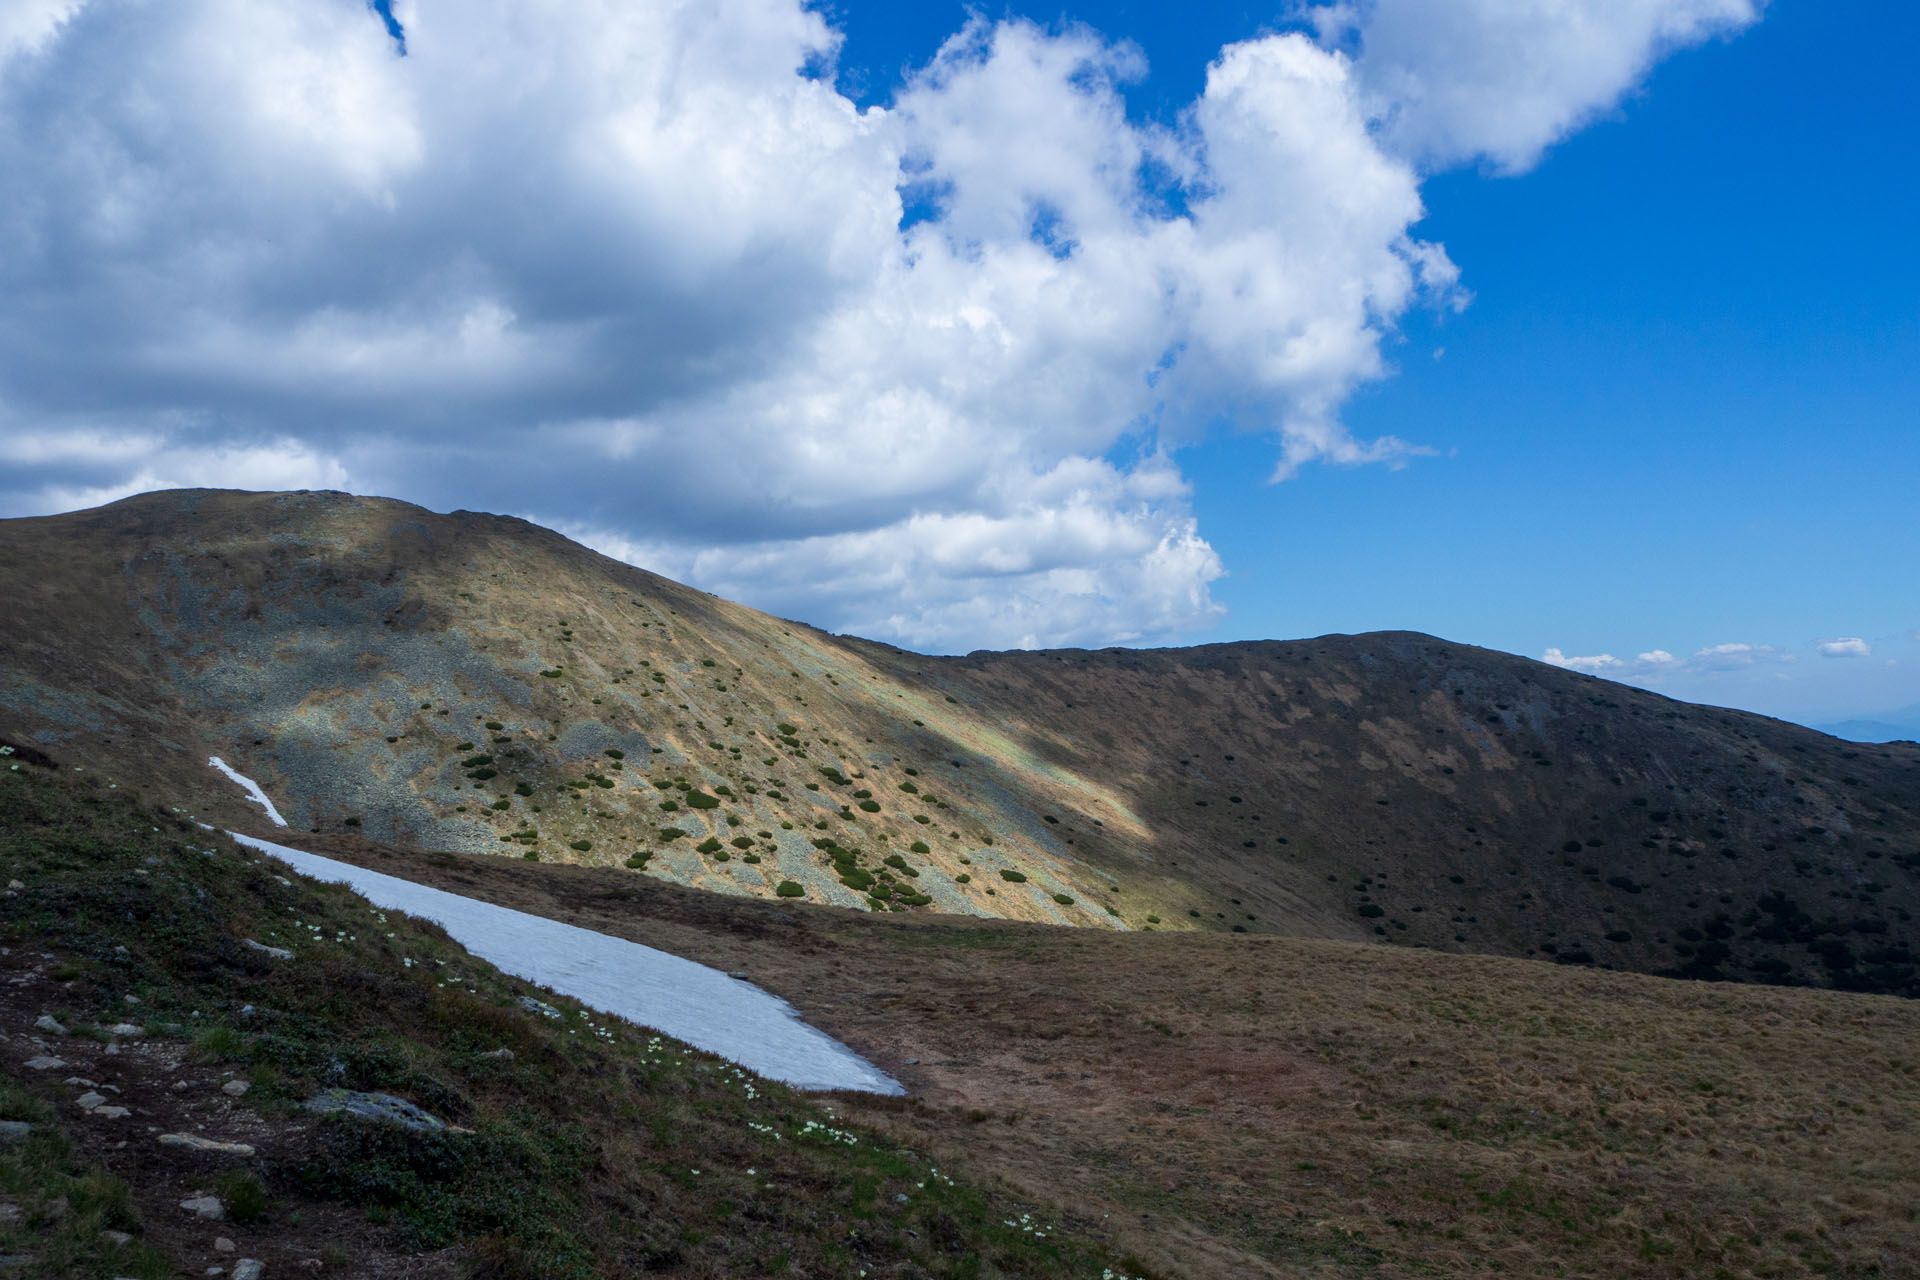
(224, 1245)
(89, 1100)
(15, 885)
(277, 953)
(249, 1269)
(12, 1131)
(738, 974)
(110, 1113)
(498, 1055)
(913, 1062)
(80, 1082)
(131, 999)
(195, 1142)
(48, 1023)
(207, 1208)
(117, 1238)
(126, 1029)
(45, 1063)
(235, 1088)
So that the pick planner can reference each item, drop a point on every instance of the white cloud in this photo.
(1505, 79)
(627, 263)
(1844, 647)
(1658, 658)
(1593, 666)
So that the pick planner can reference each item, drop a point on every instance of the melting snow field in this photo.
(688, 1001)
(252, 788)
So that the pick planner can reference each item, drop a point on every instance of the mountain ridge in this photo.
(1389, 786)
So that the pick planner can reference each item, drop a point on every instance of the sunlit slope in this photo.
(476, 683)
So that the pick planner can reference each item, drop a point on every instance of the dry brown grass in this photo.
(1242, 1106)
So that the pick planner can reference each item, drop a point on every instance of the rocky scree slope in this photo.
(475, 683)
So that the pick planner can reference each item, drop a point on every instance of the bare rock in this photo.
(206, 1208)
(45, 1062)
(277, 953)
(117, 1238)
(194, 1142)
(110, 1113)
(249, 1269)
(89, 1100)
(498, 1055)
(48, 1023)
(12, 1131)
(235, 1088)
(223, 1245)
(382, 1107)
(126, 1029)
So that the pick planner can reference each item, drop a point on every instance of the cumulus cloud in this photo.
(1505, 79)
(1598, 664)
(1844, 647)
(641, 269)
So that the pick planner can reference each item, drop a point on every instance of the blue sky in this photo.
(1583, 331)
(1683, 407)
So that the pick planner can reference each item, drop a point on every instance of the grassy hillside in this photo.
(1234, 1106)
(476, 684)
(589, 1148)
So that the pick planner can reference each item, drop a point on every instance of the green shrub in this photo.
(474, 762)
(1153, 919)
(614, 753)
(701, 800)
(553, 674)
(742, 842)
(530, 856)
(894, 860)
(709, 845)
(1064, 899)
(833, 775)
(638, 861)
(353, 822)
(922, 819)
(502, 804)
(1372, 910)
(791, 889)
(869, 806)
(495, 725)
(910, 788)
(786, 730)
(1014, 876)
(916, 899)
(857, 878)
(669, 806)
(863, 794)
(523, 788)
(963, 878)
(582, 845)
(706, 662)
(244, 1195)
(463, 746)
(481, 775)
(919, 846)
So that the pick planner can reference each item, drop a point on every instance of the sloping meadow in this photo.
(567, 1143)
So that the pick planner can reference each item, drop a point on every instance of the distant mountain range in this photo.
(1886, 726)
(476, 684)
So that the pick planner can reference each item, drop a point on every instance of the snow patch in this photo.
(688, 1001)
(252, 788)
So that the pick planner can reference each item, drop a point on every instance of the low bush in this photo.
(869, 806)
(963, 878)
(668, 834)
(638, 861)
(582, 845)
(701, 800)
(919, 846)
(614, 753)
(553, 674)
(1014, 877)
(495, 725)
(710, 845)
(791, 889)
(1064, 899)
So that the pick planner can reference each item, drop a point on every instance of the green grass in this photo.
(599, 1149)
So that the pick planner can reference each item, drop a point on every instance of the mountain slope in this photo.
(475, 683)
